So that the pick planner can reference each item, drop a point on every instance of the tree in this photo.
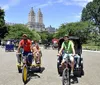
(79, 29)
(16, 32)
(92, 13)
(3, 28)
(50, 37)
(43, 35)
(61, 31)
(36, 35)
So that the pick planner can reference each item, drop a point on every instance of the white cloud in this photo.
(59, 1)
(80, 0)
(77, 15)
(14, 2)
(5, 7)
(10, 4)
(42, 5)
(81, 3)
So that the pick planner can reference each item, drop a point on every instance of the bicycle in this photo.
(66, 72)
(25, 67)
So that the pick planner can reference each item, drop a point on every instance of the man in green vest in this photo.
(69, 51)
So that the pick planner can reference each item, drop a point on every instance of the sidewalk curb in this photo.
(91, 51)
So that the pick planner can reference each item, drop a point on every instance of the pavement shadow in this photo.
(33, 74)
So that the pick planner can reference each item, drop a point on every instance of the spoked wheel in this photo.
(59, 69)
(66, 77)
(24, 74)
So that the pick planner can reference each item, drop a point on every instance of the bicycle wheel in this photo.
(24, 74)
(65, 77)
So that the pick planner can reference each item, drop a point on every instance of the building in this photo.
(11, 24)
(51, 29)
(33, 24)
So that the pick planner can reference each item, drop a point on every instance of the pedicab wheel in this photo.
(59, 69)
(66, 77)
(24, 74)
(53, 47)
(5, 50)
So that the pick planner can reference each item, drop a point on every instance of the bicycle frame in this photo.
(25, 59)
(67, 64)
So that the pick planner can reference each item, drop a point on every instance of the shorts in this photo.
(67, 56)
(29, 54)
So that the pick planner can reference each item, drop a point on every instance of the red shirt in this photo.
(26, 45)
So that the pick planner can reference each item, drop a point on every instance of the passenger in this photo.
(36, 52)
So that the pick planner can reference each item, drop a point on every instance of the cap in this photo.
(24, 35)
(66, 35)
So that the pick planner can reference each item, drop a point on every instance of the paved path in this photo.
(49, 76)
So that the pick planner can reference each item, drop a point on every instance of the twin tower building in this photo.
(35, 21)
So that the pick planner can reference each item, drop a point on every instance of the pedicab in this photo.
(78, 60)
(54, 43)
(9, 45)
(25, 67)
(46, 44)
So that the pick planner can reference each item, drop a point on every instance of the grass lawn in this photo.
(87, 47)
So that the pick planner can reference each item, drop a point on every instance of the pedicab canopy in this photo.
(55, 40)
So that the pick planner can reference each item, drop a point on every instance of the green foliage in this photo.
(50, 37)
(43, 35)
(16, 32)
(92, 13)
(61, 31)
(79, 29)
(2, 14)
(36, 35)
(46, 36)
(3, 28)
(91, 47)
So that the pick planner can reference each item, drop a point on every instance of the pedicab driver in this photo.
(68, 48)
(26, 44)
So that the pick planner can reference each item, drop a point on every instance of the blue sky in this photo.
(55, 12)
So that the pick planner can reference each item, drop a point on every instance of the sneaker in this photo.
(72, 81)
(37, 62)
(72, 74)
(77, 66)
